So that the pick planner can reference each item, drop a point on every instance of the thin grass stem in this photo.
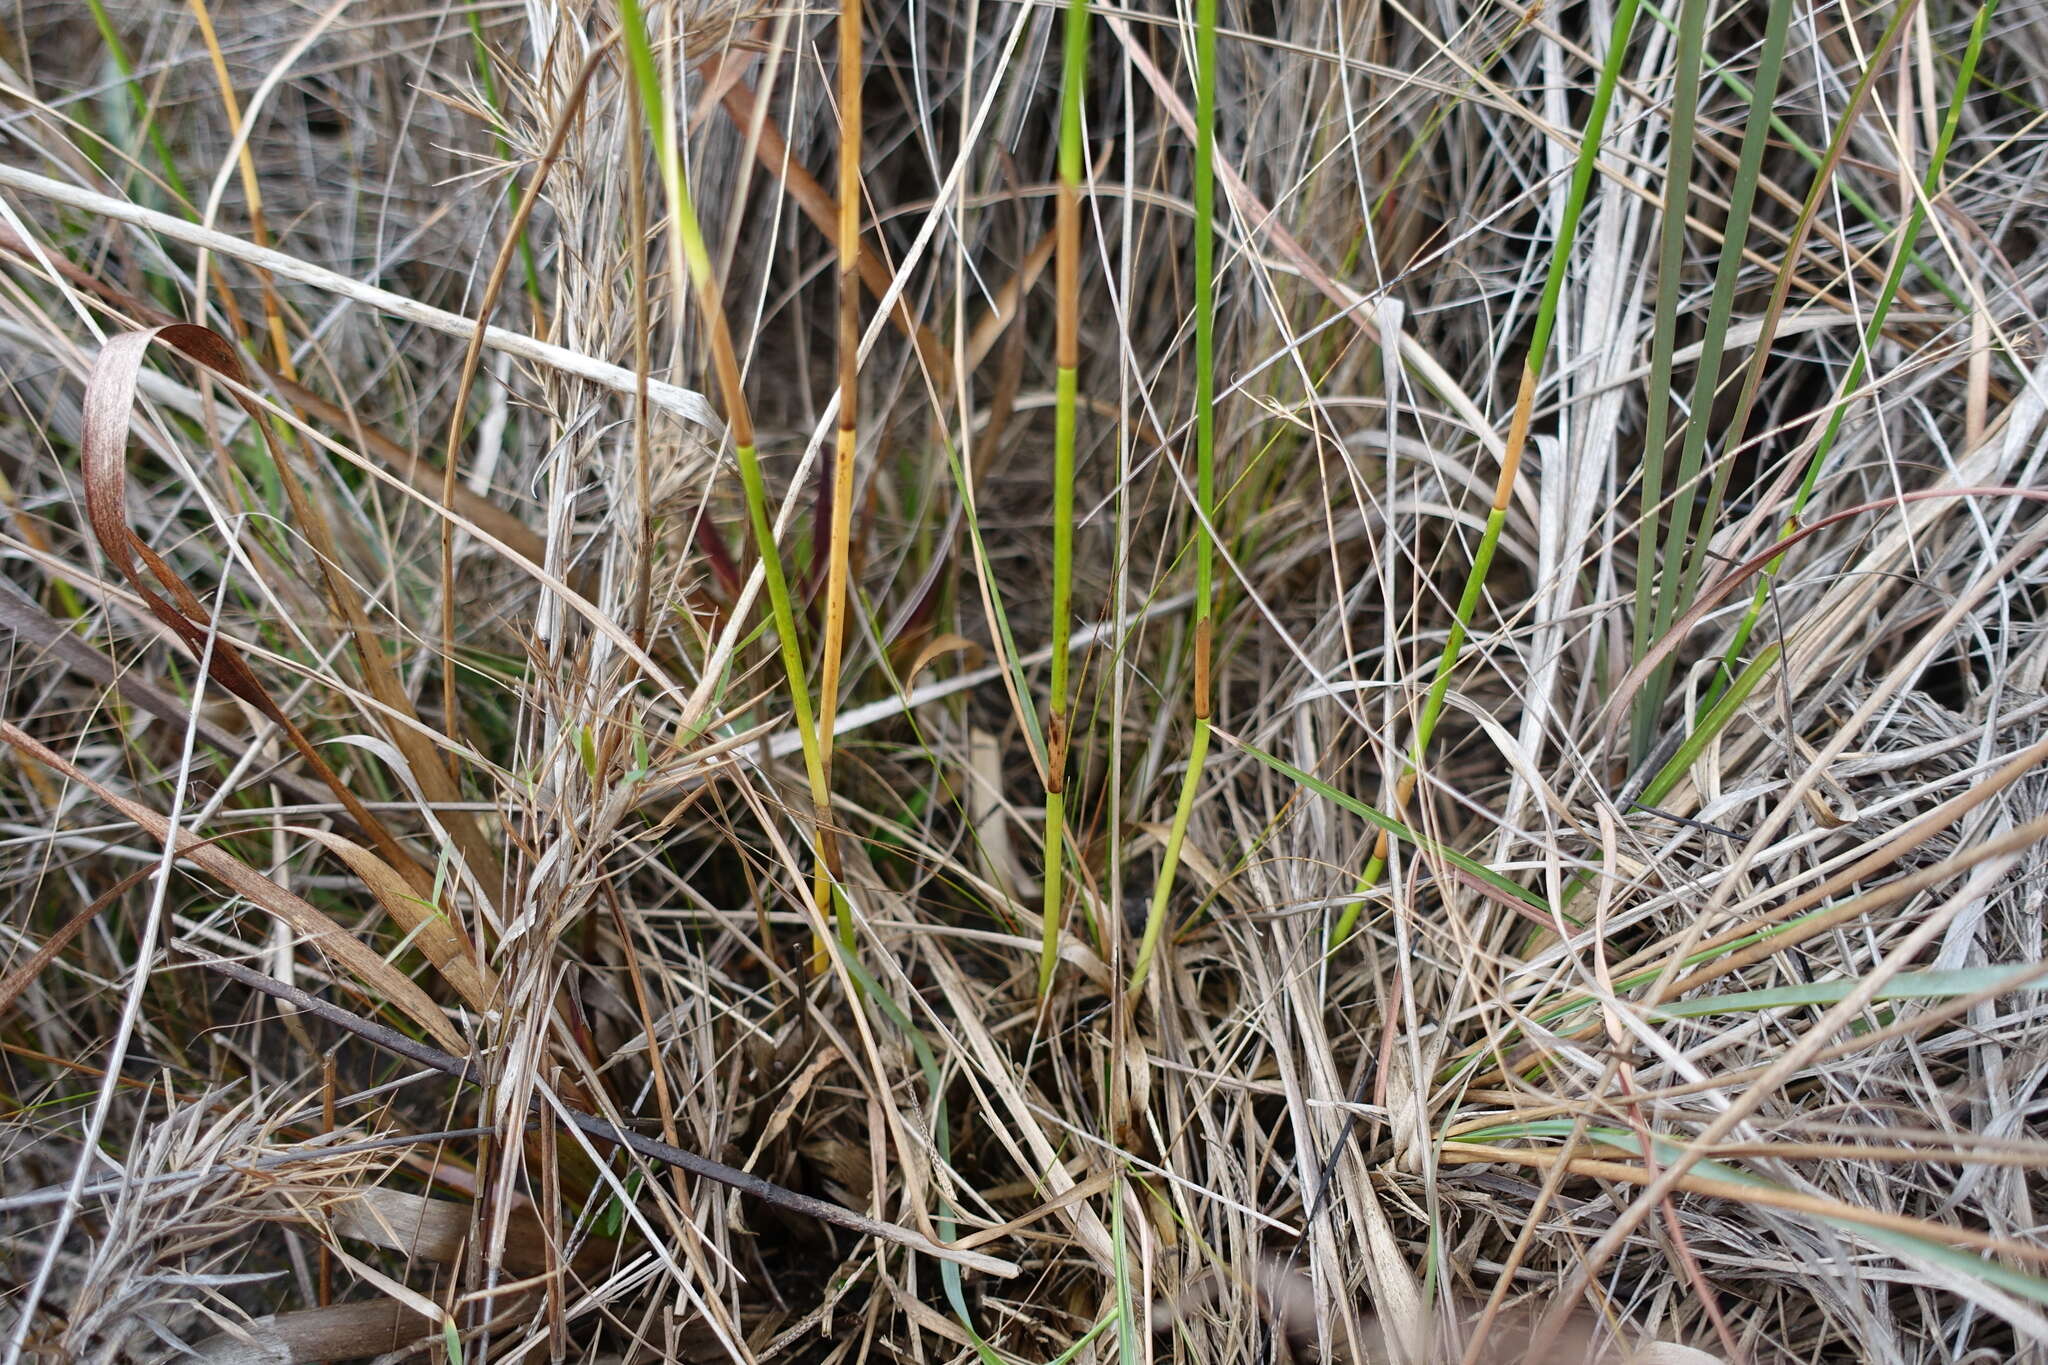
(1511, 458)
(139, 102)
(1203, 614)
(1067, 360)
(839, 550)
(687, 242)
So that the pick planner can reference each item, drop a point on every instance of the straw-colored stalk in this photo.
(840, 549)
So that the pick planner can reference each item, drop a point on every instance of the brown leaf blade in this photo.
(318, 928)
(451, 952)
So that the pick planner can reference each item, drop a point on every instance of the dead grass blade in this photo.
(1792, 1201)
(109, 401)
(436, 1229)
(686, 404)
(319, 931)
(18, 980)
(31, 625)
(342, 1331)
(1717, 592)
(604, 1131)
(444, 944)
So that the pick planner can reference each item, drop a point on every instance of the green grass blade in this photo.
(1930, 186)
(1692, 25)
(1205, 472)
(1395, 829)
(139, 102)
(1932, 985)
(690, 256)
(1067, 359)
(1518, 435)
(1685, 555)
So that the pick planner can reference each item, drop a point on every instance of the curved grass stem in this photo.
(1511, 458)
(690, 259)
(1205, 473)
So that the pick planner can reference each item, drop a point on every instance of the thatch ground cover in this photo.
(1271, 682)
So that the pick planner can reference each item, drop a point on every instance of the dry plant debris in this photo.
(689, 680)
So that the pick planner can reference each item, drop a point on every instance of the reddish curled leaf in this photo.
(408, 465)
(109, 399)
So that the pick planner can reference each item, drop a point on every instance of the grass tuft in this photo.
(1023, 683)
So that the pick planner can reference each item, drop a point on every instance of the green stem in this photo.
(1692, 25)
(1176, 835)
(1930, 186)
(486, 72)
(1205, 472)
(1683, 562)
(689, 254)
(1511, 459)
(140, 100)
(1067, 246)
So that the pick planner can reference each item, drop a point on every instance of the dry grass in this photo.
(1695, 1013)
